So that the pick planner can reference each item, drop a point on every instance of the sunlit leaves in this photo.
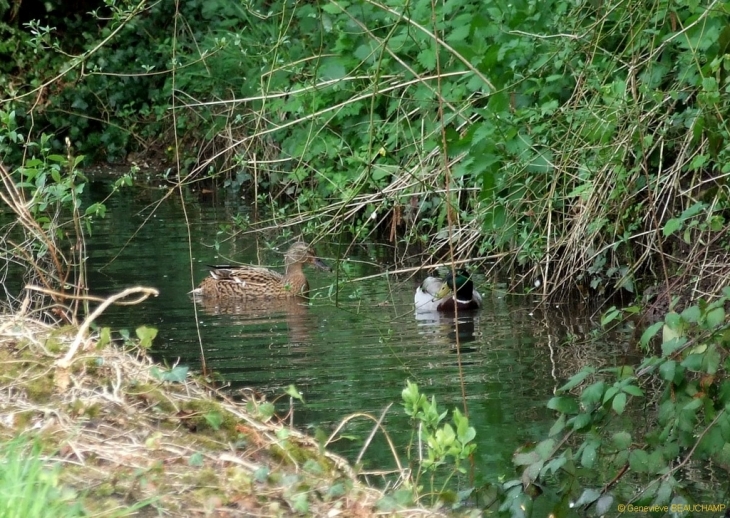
(146, 335)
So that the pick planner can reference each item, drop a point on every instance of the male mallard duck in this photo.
(436, 294)
(250, 282)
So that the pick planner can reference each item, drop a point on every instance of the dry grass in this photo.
(127, 439)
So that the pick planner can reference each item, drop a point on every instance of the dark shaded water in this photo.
(348, 354)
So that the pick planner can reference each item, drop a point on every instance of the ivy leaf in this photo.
(146, 335)
(650, 332)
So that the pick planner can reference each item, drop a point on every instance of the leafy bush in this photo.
(569, 140)
(638, 430)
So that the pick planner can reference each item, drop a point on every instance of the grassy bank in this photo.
(109, 433)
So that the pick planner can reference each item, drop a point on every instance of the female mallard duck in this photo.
(445, 295)
(250, 282)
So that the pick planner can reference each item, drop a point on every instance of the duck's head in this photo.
(301, 253)
(461, 284)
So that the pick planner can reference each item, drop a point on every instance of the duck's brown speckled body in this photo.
(251, 282)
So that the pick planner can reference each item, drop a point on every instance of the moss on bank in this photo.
(128, 443)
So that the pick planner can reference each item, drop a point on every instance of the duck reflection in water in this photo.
(443, 328)
(292, 312)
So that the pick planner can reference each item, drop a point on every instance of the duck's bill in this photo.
(319, 263)
(442, 292)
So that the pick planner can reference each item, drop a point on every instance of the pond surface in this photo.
(346, 353)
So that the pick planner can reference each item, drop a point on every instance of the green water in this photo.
(348, 354)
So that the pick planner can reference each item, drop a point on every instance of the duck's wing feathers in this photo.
(426, 294)
(243, 274)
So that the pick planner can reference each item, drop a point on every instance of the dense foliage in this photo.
(586, 139)
(580, 143)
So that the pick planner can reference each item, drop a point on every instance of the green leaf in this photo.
(610, 393)
(650, 332)
(581, 421)
(655, 462)
(671, 226)
(566, 405)
(592, 394)
(266, 411)
(214, 419)
(622, 440)
(693, 362)
(300, 503)
(558, 426)
(609, 316)
(669, 346)
(664, 493)
(554, 465)
(619, 403)
(545, 448)
(427, 59)
(331, 8)
(96, 209)
(105, 338)
(691, 314)
(712, 443)
(632, 390)
(588, 457)
(587, 497)
(715, 317)
(638, 461)
(525, 459)
(577, 379)
(293, 392)
(667, 370)
(176, 374)
(196, 459)
(146, 335)
(711, 360)
(604, 504)
(332, 68)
